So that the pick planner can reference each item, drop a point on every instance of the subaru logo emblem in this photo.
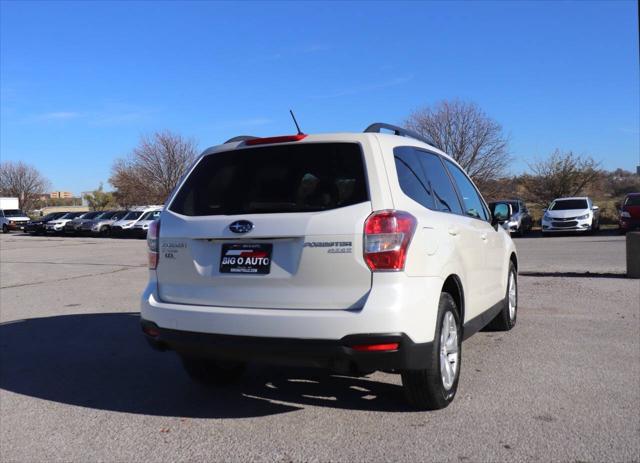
(241, 226)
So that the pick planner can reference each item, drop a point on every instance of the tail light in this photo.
(153, 243)
(376, 347)
(387, 235)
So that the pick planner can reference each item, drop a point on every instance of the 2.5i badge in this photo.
(252, 258)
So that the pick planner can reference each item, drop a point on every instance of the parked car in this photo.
(37, 227)
(12, 219)
(73, 226)
(630, 213)
(124, 226)
(101, 224)
(520, 221)
(576, 214)
(354, 251)
(141, 228)
(57, 225)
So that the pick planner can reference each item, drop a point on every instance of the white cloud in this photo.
(242, 123)
(57, 116)
(367, 87)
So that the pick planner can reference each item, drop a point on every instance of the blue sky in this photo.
(81, 82)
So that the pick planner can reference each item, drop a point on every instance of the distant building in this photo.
(60, 195)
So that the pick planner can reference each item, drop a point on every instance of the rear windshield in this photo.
(286, 178)
(632, 201)
(568, 204)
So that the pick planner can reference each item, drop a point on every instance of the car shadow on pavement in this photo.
(101, 361)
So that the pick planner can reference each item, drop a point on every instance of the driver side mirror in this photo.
(501, 213)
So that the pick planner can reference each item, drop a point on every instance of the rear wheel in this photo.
(105, 231)
(212, 371)
(435, 387)
(506, 318)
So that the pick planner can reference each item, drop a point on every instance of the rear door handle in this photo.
(454, 231)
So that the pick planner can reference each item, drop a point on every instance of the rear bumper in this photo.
(396, 303)
(337, 355)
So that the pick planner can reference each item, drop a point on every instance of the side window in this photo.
(473, 204)
(444, 194)
(411, 177)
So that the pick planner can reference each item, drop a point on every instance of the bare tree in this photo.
(466, 133)
(152, 170)
(23, 181)
(560, 175)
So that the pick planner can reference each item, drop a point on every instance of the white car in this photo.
(126, 223)
(57, 225)
(350, 251)
(13, 219)
(141, 227)
(576, 214)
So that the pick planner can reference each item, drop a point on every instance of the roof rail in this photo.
(378, 126)
(239, 138)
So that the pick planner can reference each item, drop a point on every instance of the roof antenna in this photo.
(296, 123)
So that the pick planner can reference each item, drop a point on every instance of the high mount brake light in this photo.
(153, 243)
(269, 140)
(387, 235)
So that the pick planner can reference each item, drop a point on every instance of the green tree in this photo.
(99, 200)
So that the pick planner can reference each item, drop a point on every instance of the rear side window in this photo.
(287, 178)
(444, 194)
(473, 205)
(411, 176)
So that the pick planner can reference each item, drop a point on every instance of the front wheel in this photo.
(210, 372)
(506, 318)
(5, 229)
(435, 387)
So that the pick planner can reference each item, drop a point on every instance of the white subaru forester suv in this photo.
(353, 251)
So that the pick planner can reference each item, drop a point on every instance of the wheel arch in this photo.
(453, 286)
(513, 258)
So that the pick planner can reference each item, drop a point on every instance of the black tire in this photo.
(212, 372)
(424, 389)
(105, 231)
(5, 229)
(504, 321)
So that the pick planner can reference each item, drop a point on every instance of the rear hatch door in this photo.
(269, 227)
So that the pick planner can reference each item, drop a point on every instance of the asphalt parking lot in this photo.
(78, 382)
